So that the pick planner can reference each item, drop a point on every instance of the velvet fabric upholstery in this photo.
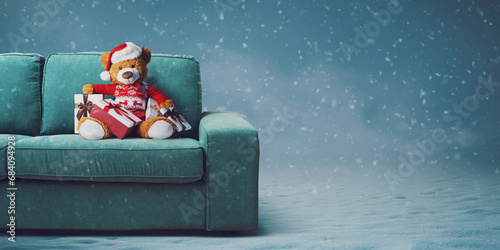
(78, 205)
(4, 140)
(20, 93)
(70, 157)
(178, 77)
(64, 76)
(232, 170)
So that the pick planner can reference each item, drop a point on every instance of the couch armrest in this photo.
(231, 147)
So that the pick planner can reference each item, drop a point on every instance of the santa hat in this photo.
(122, 52)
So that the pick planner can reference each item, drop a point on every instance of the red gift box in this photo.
(119, 120)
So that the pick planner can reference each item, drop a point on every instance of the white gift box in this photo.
(180, 123)
(84, 105)
(150, 112)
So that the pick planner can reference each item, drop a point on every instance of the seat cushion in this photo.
(70, 157)
(4, 142)
(20, 86)
(178, 77)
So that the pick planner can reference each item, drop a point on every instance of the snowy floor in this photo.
(341, 210)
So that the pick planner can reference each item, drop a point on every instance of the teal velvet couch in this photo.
(207, 179)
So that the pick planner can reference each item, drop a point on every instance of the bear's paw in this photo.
(160, 130)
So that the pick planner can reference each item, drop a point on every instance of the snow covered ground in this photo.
(338, 209)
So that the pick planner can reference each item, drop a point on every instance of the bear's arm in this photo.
(157, 95)
(105, 89)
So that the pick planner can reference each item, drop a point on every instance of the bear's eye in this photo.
(132, 66)
(120, 68)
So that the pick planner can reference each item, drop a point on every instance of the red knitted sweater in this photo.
(131, 97)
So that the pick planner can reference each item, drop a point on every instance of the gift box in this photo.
(119, 120)
(150, 112)
(84, 105)
(181, 125)
(153, 110)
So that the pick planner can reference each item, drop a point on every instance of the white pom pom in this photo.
(105, 76)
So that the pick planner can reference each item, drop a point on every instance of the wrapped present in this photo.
(119, 120)
(172, 113)
(153, 110)
(150, 112)
(84, 105)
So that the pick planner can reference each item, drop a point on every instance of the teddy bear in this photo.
(126, 68)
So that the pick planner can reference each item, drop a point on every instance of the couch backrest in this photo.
(178, 77)
(20, 84)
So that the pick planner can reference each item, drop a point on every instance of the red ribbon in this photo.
(135, 86)
(118, 110)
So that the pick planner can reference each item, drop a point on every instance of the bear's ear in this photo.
(104, 59)
(146, 54)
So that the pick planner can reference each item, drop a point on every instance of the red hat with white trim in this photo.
(123, 52)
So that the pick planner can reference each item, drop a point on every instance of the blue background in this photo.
(282, 65)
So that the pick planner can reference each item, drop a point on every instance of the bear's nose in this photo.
(127, 75)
